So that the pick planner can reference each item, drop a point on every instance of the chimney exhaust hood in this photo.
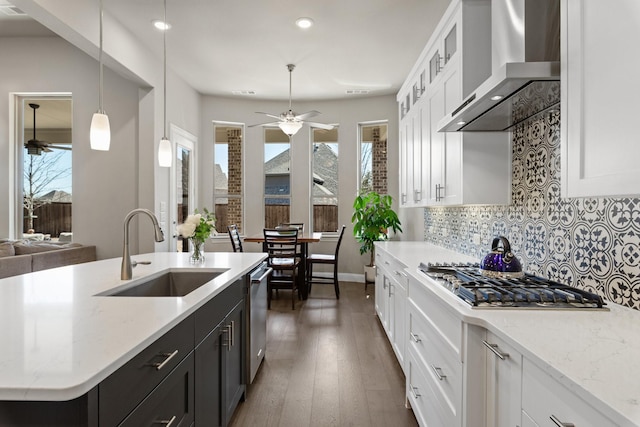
(525, 78)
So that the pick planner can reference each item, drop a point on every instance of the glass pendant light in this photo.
(100, 132)
(290, 128)
(164, 149)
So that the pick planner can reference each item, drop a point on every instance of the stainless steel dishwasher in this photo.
(257, 318)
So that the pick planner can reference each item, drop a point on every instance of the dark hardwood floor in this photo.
(328, 363)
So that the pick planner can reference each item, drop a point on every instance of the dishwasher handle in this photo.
(265, 273)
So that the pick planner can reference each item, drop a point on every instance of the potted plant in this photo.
(372, 218)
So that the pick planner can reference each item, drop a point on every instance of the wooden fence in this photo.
(325, 217)
(52, 218)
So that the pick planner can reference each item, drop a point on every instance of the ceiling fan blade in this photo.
(320, 125)
(268, 115)
(58, 147)
(307, 115)
(46, 149)
(264, 124)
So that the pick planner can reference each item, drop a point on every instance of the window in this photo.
(325, 180)
(373, 157)
(277, 184)
(46, 168)
(227, 192)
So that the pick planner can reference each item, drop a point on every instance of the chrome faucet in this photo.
(126, 270)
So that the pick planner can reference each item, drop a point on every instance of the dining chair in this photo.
(282, 256)
(327, 259)
(234, 235)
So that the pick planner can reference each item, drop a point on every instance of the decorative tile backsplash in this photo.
(590, 243)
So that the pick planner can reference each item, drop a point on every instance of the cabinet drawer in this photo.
(438, 317)
(442, 366)
(124, 389)
(171, 403)
(429, 405)
(544, 398)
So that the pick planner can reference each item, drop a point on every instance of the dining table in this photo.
(304, 239)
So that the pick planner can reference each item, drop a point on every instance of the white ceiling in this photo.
(244, 45)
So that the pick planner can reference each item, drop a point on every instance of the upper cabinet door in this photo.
(600, 88)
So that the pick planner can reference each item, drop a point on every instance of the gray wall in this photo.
(591, 243)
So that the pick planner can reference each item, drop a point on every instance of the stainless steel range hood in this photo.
(525, 78)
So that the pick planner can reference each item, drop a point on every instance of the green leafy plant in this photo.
(198, 226)
(372, 218)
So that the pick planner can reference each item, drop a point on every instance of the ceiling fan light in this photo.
(164, 153)
(100, 132)
(290, 128)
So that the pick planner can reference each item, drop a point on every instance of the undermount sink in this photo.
(168, 284)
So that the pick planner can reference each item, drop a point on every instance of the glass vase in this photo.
(196, 255)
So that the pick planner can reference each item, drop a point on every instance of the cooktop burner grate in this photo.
(466, 281)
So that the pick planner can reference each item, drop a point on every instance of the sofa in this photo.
(26, 256)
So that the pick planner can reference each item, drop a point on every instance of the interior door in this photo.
(182, 183)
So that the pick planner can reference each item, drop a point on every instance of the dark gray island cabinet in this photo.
(193, 375)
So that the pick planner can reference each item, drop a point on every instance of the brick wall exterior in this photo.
(234, 209)
(379, 172)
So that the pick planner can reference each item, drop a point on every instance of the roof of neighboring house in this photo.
(220, 179)
(57, 196)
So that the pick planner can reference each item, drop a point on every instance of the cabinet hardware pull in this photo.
(228, 330)
(496, 350)
(559, 423)
(167, 423)
(167, 356)
(438, 372)
(414, 391)
(386, 262)
(415, 337)
(233, 332)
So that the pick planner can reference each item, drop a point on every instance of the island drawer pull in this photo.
(166, 423)
(559, 423)
(167, 356)
(233, 332)
(415, 337)
(496, 350)
(438, 372)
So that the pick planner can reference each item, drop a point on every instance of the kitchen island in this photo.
(61, 338)
(554, 360)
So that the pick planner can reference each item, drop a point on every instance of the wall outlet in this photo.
(476, 238)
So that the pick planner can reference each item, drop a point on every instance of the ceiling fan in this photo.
(289, 121)
(34, 146)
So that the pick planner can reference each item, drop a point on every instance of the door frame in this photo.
(181, 138)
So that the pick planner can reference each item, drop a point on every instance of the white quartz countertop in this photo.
(593, 353)
(59, 339)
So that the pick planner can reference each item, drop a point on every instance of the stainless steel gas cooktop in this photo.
(466, 281)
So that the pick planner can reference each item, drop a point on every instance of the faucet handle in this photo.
(134, 263)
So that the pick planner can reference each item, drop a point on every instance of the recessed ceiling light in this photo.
(304, 22)
(161, 25)
(461, 122)
(496, 97)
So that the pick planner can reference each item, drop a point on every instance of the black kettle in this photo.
(501, 262)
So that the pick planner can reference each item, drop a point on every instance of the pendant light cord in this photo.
(100, 106)
(164, 40)
(290, 67)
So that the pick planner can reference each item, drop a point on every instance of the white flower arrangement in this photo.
(198, 226)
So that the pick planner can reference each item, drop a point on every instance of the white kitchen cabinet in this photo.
(391, 300)
(434, 364)
(503, 382)
(545, 402)
(452, 168)
(598, 99)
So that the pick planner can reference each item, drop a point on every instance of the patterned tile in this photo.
(591, 243)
